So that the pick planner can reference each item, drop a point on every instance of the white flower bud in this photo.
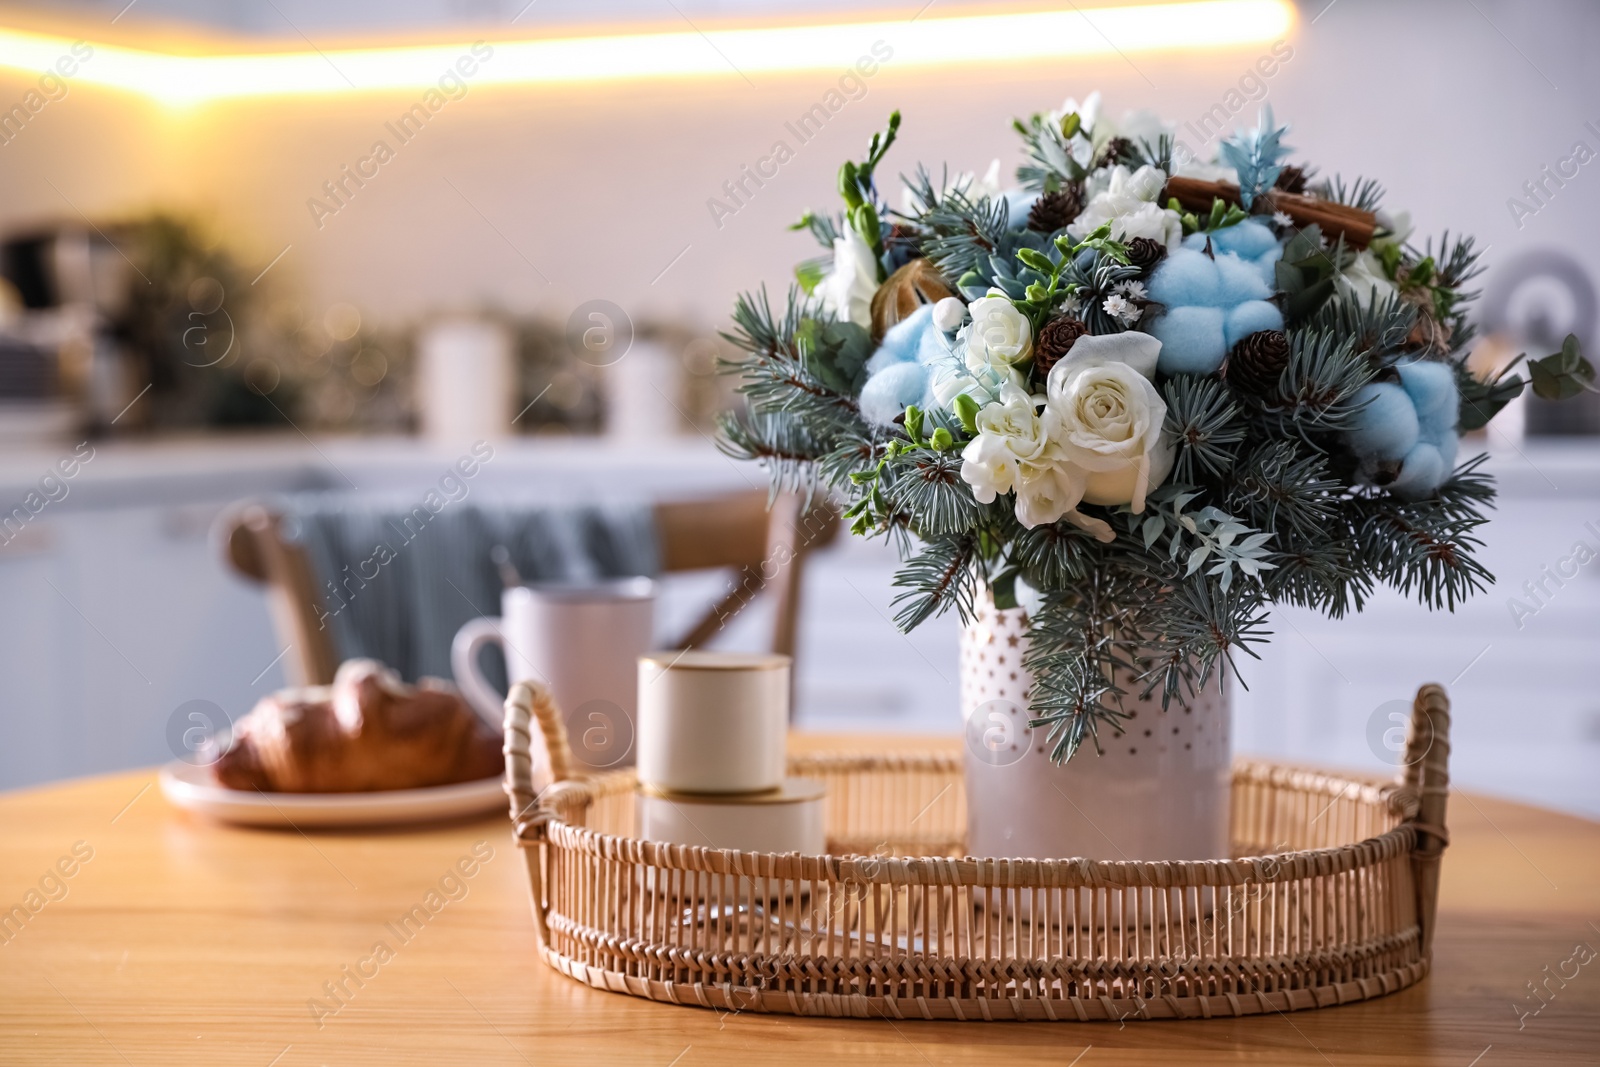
(949, 314)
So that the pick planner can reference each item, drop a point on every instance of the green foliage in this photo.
(1222, 214)
(1307, 273)
(1208, 536)
(860, 193)
(1563, 375)
(835, 353)
(1052, 164)
(1559, 376)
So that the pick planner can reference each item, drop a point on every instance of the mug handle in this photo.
(469, 641)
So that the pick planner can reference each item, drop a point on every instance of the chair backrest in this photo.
(766, 547)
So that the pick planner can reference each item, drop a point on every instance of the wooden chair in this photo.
(766, 548)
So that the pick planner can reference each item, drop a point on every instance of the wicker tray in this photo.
(1330, 897)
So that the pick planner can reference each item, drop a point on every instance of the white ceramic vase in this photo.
(1160, 791)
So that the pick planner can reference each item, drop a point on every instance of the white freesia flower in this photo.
(999, 336)
(1010, 438)
(1048, 493)
(847, 289)
(1104, 418)
(1129, 203)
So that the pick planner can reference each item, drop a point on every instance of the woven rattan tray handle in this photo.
(1427, 773)
(527, 704)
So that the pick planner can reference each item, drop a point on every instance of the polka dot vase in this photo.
(1159, 791)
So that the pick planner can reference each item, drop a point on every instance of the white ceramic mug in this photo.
(583, 641)
(713, 722)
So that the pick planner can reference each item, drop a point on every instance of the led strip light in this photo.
(926, 41)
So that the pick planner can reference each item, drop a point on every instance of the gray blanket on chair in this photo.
(397, 581)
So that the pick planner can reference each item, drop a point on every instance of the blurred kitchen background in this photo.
(198, 295)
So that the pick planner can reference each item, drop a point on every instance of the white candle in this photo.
(713, 722)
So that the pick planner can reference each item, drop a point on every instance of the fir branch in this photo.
(927, 484)
(1145, 154)
(1377, 328)
(961, 234)
(941, 576)
(1205, 424)
(778, 441)
(1323, 573)
(1280, 488)
(1081, 646)
(1363, 193)
(1423, 548)
(1053, 556)
(1316, 393)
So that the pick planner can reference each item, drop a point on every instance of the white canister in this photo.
(713, 722)
(466, 376)
(786, 819)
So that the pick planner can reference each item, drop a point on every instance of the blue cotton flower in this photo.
(1250, 241)
(1238, 281)
(1192, 340)
(1247, 240)
(1386, 427)
(1422, 471)
(1186, 278)
(1250, 317)
(892, 389)
(901, 341)
(1432, 389)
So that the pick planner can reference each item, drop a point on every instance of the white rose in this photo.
(1009, 436)
(998, 337)
(1104, 417)
(1364, 281)
(847, 290)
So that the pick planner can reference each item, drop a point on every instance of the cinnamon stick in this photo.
(1355, 225)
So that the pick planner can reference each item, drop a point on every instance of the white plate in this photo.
(192, 788)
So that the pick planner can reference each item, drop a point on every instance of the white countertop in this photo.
(202, 468)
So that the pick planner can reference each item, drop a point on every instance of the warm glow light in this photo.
(926, 41)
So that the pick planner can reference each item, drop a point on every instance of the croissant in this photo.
(368, 731)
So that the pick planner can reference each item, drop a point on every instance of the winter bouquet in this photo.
(1150, 395)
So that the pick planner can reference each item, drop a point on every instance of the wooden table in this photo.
(177, 941)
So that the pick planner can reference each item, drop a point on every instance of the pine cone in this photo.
(1291, 180)
(1053, 211)
(1257, 362)
(1115, 151)
(1055, 339)
(1145, 253)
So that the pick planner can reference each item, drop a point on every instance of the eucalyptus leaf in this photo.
(1563, 375)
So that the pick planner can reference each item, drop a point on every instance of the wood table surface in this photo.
(179, 941)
